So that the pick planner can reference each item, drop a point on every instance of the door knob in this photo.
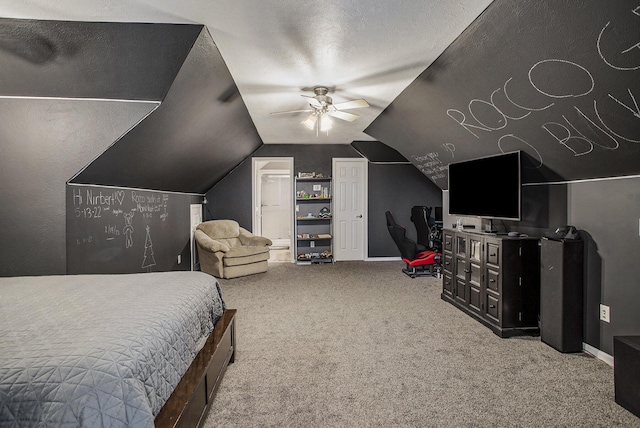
(359, 216)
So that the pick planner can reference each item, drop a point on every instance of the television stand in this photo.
(494, 279)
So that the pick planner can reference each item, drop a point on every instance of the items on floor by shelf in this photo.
(320, 257)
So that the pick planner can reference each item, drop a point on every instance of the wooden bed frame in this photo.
(191, 400)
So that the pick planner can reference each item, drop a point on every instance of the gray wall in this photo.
(200, 131)
(35, 164)
(396, 188)
(555, 79)
(391, 187)
(231, 197)
(120, 230)
(609, 212)
(488, 94)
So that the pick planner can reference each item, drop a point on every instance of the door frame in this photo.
(365, 204)
(195, 265)
(257, 164)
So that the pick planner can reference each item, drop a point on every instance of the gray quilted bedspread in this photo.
(99, 350)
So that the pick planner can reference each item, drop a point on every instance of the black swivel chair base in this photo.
(431, 270)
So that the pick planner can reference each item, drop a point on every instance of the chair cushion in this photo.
(245, 255)
(217, 229)
(242, 270)
(424, 254)
(229, 242)
(427, 258)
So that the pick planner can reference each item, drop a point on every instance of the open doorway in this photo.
(273, 204)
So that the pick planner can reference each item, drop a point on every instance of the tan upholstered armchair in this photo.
(227, 250)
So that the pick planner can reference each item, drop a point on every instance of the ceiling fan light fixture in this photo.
(322, 109)
(310, 122)
(325, 123)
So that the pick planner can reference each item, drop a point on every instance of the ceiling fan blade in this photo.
(351, 104)
(312, 100)
(349, 117)
(292, 111)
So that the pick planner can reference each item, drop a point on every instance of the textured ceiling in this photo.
(276, 51)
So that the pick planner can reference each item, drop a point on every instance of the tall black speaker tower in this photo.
(561, 293)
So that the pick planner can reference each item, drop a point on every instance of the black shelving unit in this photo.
(314, 222)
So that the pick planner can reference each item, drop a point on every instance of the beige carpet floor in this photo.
(359, 344)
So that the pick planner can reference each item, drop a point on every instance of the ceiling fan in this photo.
(322, 107)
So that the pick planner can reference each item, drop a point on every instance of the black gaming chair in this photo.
(420, 218)
(428, 228)
(419, 260)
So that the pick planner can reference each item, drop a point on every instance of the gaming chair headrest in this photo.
(407, 247)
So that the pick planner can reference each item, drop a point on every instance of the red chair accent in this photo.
(419, 260)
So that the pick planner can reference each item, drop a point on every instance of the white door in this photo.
(349, 209)
(196, 219)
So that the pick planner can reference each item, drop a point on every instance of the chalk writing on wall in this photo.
(563, 88)
(148, 260)
(615, 55)
(110, 216)
(559, 78)
(128, 228)
(431, 165)
(120, 230)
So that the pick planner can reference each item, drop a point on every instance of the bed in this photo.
(138, 350)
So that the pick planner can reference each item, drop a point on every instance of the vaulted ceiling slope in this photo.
(557, 80)
(278, 50)
(83, 60)
(190, 129)
(198, 134)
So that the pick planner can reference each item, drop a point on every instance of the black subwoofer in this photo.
(561, 294)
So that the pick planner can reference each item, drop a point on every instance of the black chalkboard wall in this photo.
(559, 80)
(120, 230)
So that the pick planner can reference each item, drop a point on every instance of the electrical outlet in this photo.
(312, 244)
(605, 313)
(179, 258)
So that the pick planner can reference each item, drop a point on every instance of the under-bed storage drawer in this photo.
(217, 353)
(193, 410)
(221, 357)
(189, 404)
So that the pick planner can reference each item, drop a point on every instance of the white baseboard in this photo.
(598, 354)
(382, 259)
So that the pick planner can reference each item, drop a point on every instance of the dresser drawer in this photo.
(492, 308)
(493, 253)
(493, 280)
(447, 284)
(447, 263)
(447, 243)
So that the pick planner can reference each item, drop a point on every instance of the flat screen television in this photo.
(488, 187)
